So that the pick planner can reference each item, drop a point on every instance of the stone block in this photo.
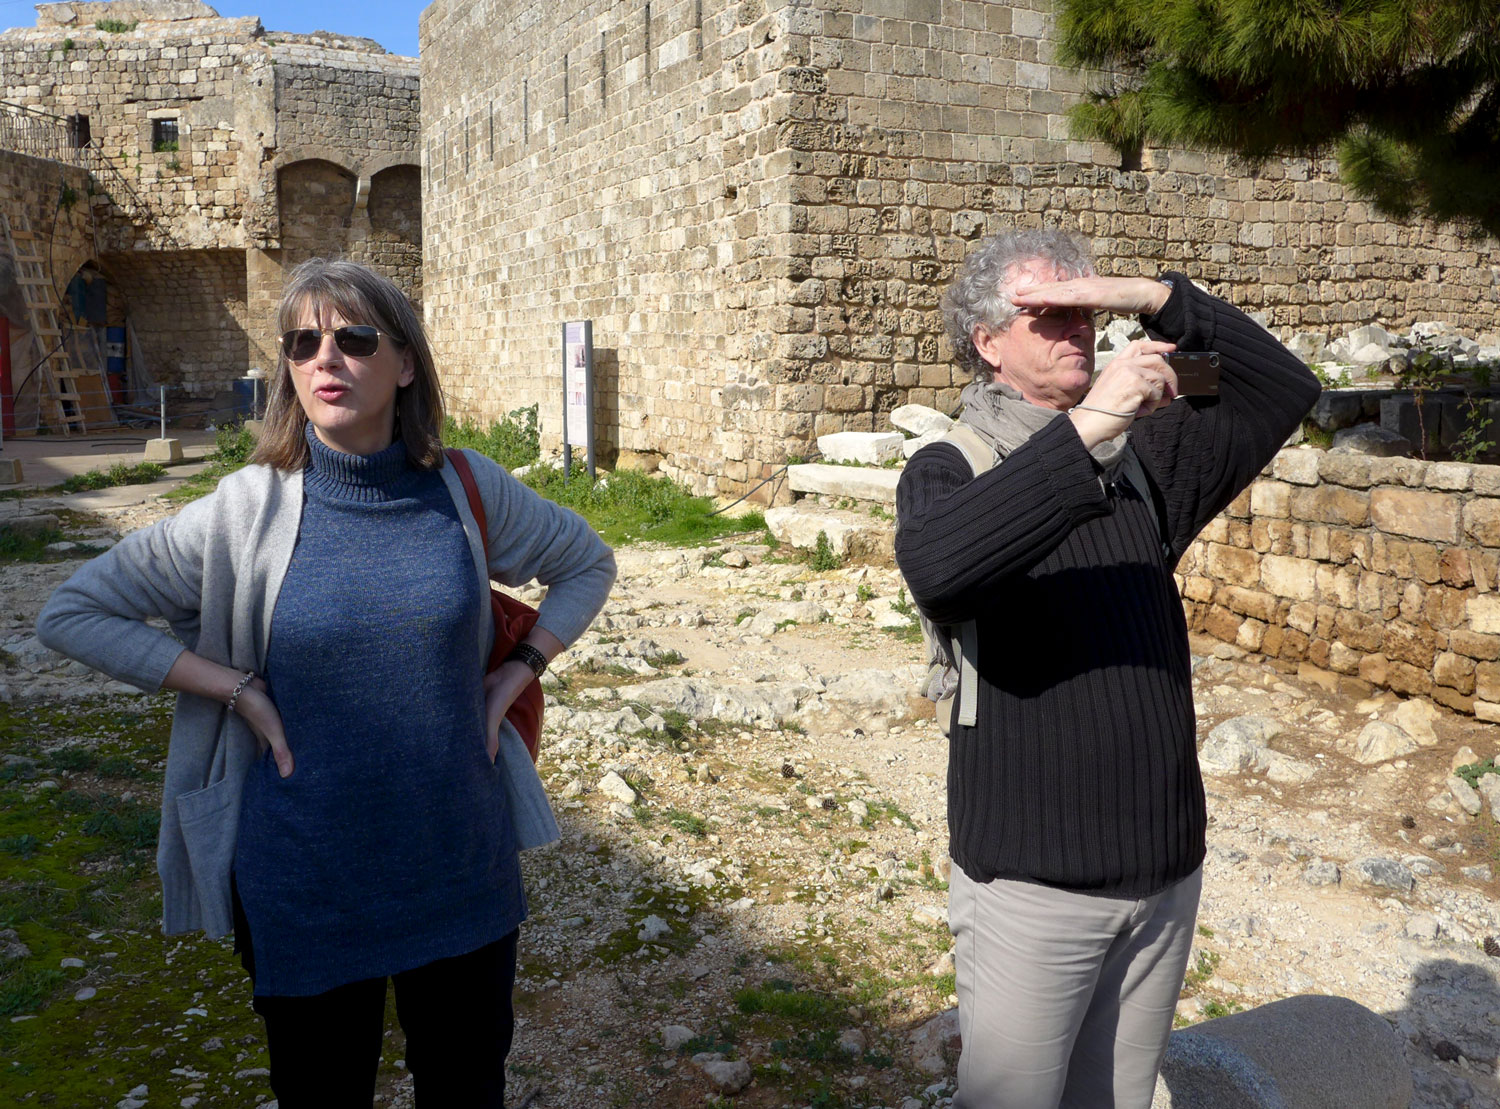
(1330, 504)
(1473, 645)
(856, 482)
(1248, 602)
(1453, 476)
(1482, 522)
(1270, 498)
(1308, 1050)
(1484, 614)
(10, 471)
(1233, 565)
(1300, 467)
(1352, 470)
(1410, 472)
(1289, 577)
(865, 447)
(1432, 516)
(163, 450)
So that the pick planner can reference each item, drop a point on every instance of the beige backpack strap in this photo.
(963, 639)
(980, 454)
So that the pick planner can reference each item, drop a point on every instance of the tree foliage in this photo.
(1406, 92)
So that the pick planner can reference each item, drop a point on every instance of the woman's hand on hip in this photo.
(192, 673)
(501, 688)
(260, 713)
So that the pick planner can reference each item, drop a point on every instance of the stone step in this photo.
(865, 447)
(860, 483)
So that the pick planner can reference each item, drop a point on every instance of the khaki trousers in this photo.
(1065, 999)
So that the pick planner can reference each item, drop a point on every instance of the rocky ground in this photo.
(748, 901)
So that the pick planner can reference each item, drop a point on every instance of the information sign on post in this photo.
(578, 392)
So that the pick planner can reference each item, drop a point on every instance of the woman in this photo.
(332, 789)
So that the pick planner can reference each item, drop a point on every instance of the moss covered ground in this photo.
(79, 790)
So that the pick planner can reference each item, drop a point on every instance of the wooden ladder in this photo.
(57, 372)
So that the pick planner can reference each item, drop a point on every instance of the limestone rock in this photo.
(798, 526)
(1378, 742)
(1416, 718)
(1321, 873)
(617, 788)
(920, 420)
(1466, 795)
(1383, 873)
(728, 1076)
(1489, 789)
(1237, 745)
(673, 1036)
(936, 1042)
(652, 929)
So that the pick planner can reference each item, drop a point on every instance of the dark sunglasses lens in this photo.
(301, 344)
(357, 340)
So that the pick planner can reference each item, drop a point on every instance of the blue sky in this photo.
(392, 23)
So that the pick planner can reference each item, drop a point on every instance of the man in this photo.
(1075, 807)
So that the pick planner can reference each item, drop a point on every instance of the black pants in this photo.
(458, 1021)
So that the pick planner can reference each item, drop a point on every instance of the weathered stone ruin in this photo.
(758, 203)
(189, 160)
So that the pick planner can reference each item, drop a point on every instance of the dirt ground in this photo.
(754, 848)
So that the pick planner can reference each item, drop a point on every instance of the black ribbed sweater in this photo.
(1082, 771)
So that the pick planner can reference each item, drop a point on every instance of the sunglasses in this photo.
(357, 340)
(1059, 317)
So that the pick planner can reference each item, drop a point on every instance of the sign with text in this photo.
(578, 391)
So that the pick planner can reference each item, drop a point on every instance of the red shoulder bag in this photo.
(513, 621)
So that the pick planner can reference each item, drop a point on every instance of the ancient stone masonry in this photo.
(220, 155)
(758, 204)
(1383, 570)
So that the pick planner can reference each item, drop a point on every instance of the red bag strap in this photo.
(476, 503)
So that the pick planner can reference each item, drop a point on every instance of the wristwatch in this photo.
(525, 652)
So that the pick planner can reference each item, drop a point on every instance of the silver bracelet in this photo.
(238, 689)
(1106, 411)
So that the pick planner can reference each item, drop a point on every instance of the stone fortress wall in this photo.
(759, 203)
(1373, 572)
(195, 232)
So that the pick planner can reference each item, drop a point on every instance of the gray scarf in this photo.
(1005, 421)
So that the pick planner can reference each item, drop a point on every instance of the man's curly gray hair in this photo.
(977, 295)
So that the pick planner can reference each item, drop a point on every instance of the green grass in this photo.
(512, 442)
(18, 547)
(142, 473)
(628, 506)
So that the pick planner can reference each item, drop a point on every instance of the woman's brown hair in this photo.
(360, 295)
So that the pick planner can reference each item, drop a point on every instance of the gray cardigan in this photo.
(213, 572)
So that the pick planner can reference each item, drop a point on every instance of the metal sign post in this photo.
(578, 392)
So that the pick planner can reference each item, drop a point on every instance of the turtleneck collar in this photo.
(383, 476)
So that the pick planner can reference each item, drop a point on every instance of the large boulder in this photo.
(1306, 1052)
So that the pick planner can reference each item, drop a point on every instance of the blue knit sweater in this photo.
(390, 846)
